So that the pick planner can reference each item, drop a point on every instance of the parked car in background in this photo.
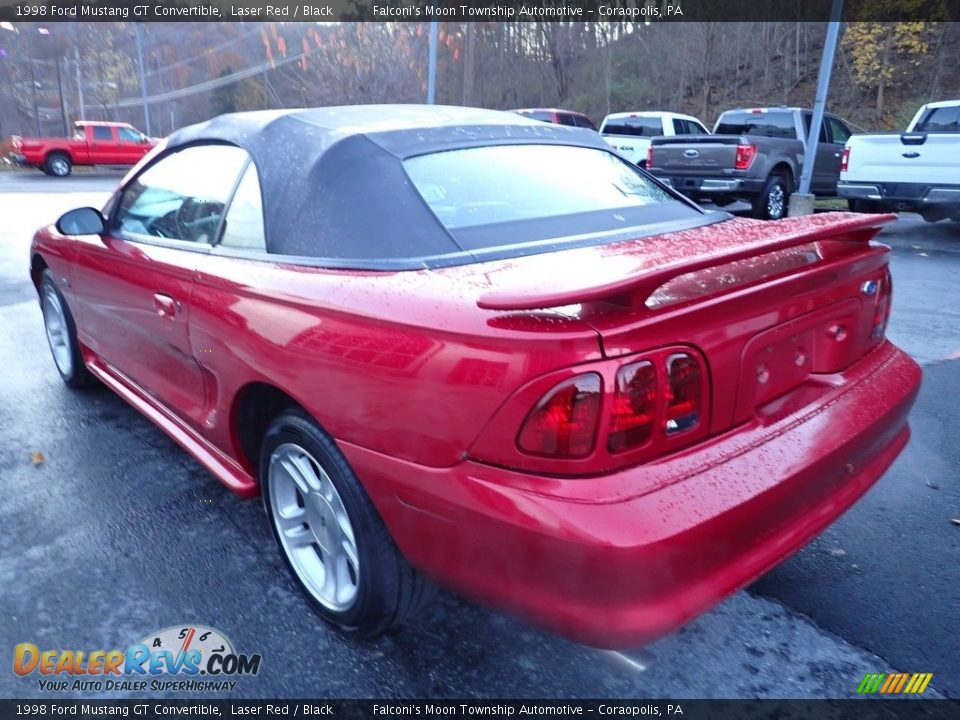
(461, 345)
(631, 132)
(93, 143)
(755, 155)
(917, 170)
(557, 117)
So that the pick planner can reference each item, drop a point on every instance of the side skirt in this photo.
(224, 468)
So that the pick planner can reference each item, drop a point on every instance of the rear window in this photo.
(772, 123)
(643, 126)
(498, 195)
(941, 119)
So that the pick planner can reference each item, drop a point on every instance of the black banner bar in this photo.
(861, 709)
(642, 11)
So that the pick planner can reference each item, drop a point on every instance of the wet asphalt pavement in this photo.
(118, 533)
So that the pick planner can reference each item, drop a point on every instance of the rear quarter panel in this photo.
(400, 363)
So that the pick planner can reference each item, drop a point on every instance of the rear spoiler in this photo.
(674, 260)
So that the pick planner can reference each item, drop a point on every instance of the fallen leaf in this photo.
(923, 255)
(37, 458)
(838, 552)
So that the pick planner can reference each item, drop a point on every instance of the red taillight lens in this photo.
(881, 314)
(634, 406)
(649, 156)
(745, 154)
(684, 393)
(564, 422)
(845, 159)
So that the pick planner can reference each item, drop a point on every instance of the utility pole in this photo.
(432, 65)
(33, 85)
(143, 80)
(801, 202)
(63, 107)
(76, 59)
(469, 75)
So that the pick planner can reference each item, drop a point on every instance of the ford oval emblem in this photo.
(869, 287)
(691, 153)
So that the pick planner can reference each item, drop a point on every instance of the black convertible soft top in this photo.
(333, 182)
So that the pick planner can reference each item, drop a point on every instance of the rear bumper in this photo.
(621, 559)
(707, 187)
(901, 194)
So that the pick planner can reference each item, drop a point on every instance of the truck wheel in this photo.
(771, 204)
(58, 165)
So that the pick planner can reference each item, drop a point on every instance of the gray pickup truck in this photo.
(754, 155)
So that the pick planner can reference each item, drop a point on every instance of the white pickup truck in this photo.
(630, 132)
(917, 170)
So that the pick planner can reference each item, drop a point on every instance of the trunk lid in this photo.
(776, 309)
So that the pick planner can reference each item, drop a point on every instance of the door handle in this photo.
(165, 305)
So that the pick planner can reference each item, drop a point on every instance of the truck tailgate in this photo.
(922, 158)
(684, 154)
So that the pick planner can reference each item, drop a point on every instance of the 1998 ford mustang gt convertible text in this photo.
(467, 346)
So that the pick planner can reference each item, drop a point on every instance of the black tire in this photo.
(771, 204)
(387, 589)
(58, 164)
(54, 306)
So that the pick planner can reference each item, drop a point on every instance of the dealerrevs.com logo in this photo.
(189, 658)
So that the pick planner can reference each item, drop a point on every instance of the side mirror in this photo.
(82, 221)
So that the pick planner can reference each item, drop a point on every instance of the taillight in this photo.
(745, 154)
(623, 412)
(641, 391)
(634, 406)
(881, 314)
(845, 159)
(563, 424)
(684, 393)
(649, 156)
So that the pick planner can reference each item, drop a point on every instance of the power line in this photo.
(208, 85)
(221, 46)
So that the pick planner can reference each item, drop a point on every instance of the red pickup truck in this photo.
(93, 143)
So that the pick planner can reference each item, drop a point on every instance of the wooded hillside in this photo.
(883, 71)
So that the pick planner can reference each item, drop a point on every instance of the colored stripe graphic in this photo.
(893, 683)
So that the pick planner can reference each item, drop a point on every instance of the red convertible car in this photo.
(469, 347)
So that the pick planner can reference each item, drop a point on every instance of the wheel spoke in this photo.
(298, 536)
(299, 470)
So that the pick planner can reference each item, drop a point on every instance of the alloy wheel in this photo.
(313, 526)
(775, 202)
(55, 324)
